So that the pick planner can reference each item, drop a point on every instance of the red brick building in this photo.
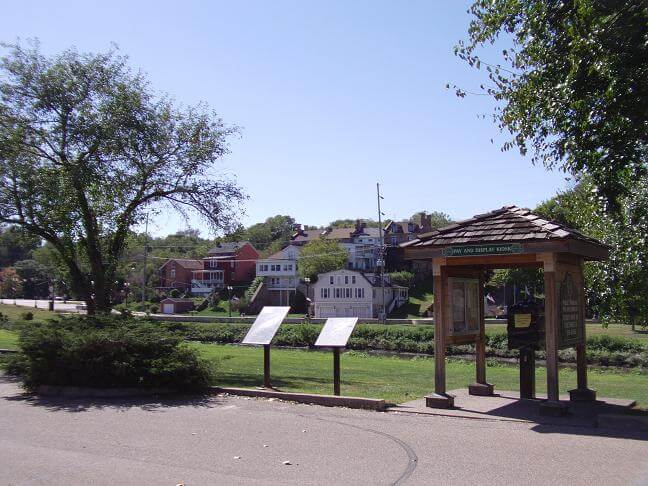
(229, 263)
(176, 273)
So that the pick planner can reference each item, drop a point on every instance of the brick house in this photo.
(176, 273)
(228, 263)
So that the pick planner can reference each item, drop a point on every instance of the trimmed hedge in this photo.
(602, 350)
(107, 353)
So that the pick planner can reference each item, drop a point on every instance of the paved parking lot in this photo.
(231, 440)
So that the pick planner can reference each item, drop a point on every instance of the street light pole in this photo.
(381, 256)
(229, 299)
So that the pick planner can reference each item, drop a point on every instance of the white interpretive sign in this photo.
(266, 325)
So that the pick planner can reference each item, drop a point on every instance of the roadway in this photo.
(235, 440)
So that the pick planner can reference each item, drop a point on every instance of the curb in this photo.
(324, 400)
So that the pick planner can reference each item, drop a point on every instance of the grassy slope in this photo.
(420, 298)
(394, 379)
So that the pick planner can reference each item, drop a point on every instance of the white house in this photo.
(280, 272)
(347, 293)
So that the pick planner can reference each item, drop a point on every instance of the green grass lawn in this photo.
(395, 379)
(621, 330)
(8, 339)
(15, 312)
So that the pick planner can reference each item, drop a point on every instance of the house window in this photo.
(346, 280)
(353, 279)
(331, 280)
(173, 272)
(394, 240)
(347, 293)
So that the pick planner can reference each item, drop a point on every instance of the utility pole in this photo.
(381, 255)
(145, 263)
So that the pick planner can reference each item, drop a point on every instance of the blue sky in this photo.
(331, 97)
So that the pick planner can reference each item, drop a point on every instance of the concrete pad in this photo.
(325, 400)
(507, 406)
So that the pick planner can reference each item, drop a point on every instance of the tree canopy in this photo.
(87, 147)
(438, 219)
(320, 256)
(570, 83)
(617, 288)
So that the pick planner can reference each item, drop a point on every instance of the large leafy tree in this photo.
(15, 245)
(86, 147)
(617, 288)
(320, 256)
(570, 81)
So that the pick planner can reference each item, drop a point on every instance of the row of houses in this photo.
(237, 263)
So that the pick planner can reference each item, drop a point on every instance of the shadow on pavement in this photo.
(152, 403)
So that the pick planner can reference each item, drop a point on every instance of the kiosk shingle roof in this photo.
(508, 224)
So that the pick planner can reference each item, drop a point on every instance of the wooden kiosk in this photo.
(506, 238)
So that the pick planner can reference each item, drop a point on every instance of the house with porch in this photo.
(361, 243)
(228, 263)
(280, 275)
(348, 293)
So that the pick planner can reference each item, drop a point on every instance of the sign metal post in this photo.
(263, 329)
(335, 334)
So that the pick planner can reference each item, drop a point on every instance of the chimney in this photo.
(426, 223)
(360, 226)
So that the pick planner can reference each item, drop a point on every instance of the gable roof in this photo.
(227, 247)
(332, 234)
(507, 224)
(187, 263)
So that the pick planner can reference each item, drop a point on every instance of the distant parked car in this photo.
(58, 297)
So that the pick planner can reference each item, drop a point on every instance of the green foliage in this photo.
(351, 223)
(572, 85)
(88, 147)
(107, 353)
(213, 301)
(15, 245)
(27, 316)
(404, 278)
(617, 288)
(154, 309)
(274, 231)
(438, 219)
(320, 256)
(175, 293)
(249, 292)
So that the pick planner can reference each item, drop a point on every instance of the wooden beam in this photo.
(439, 329)
(551, 326)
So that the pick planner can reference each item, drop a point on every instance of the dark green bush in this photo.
(154, 309)
(108, 352)
(27, 316)
(175, 293)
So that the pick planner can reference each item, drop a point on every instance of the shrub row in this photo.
(602, 350)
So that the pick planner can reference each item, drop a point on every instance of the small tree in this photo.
(321, 256)
(86, 149)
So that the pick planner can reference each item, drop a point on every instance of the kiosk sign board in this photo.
(265, 326)
(570, 313)
(336, 332)
(464, 305)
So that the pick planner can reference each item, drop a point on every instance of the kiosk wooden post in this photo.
(263, 329)
(509, 237)
(335, 334)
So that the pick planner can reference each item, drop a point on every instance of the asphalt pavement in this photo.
(234, 440)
